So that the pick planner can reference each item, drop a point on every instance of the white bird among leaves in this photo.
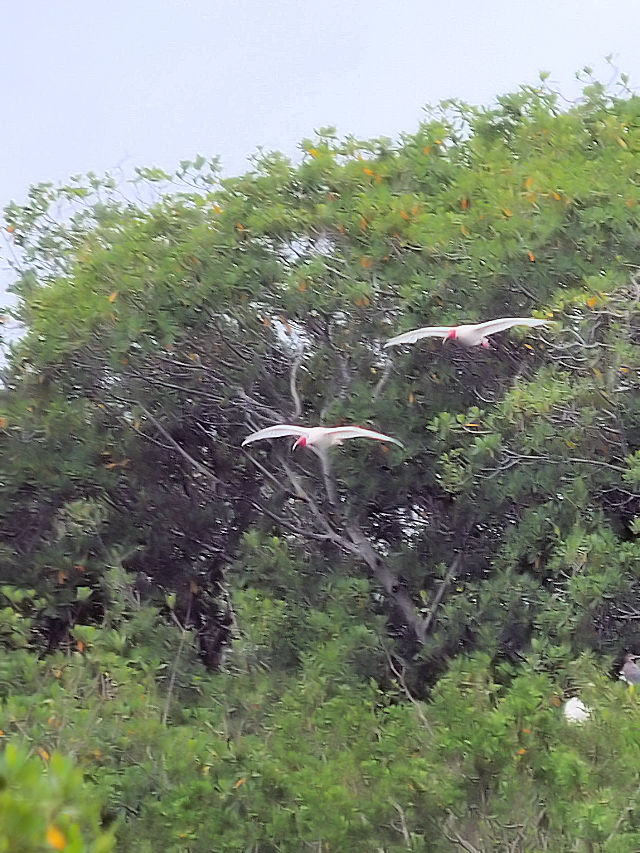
(630, 672)
(318, 437)
(575, 711)
(469, 335)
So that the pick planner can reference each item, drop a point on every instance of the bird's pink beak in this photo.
(485, 343)
(300, 442)
(450, 337)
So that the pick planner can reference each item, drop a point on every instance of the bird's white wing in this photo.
(275, 432)
(417, 334)
(493, 326)
(340, 433)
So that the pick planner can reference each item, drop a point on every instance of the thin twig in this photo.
(174, 670)
(292, 386)
(197, 465)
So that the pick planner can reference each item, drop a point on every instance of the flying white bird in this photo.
(575, 711)
(318, 437)
(468, 335)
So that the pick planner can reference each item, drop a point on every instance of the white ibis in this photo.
(575, 711)
(468, 335)
(630, 671)
(318, 437)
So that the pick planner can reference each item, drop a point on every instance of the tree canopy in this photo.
(246, 649)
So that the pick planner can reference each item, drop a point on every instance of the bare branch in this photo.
(400, 675)
(292, 385)
(386, 373)
(292, 528)
(453, 569)
(194, 462)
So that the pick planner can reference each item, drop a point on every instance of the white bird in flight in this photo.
(469, 335)
(318, 437)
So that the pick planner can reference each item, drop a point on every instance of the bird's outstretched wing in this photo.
(416, 334)
(493, 326)
(275, 432)
(340, 433)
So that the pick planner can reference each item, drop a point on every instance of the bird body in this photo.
(319, 437)
(470, 335)
(630, 671)
(575, 711)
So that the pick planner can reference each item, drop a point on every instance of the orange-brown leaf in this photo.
(465, 204)
(313, 152)
(532, 257)
(3, 423)
(240, 782)
(528, 183)
(592, 301)
(368, 172)
(113, 296)
(43, 754)
(556, 195)
(427, 149)
(507, 211)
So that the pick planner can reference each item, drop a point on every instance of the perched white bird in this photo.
(575, 711)
(630, 672)
(319, 437)
(468, 335)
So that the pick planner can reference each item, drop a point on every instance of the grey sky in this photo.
(92, 86)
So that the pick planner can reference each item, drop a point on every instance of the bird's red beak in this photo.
(300, 442)
(450, 337)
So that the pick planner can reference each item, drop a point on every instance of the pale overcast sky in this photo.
(96, 85)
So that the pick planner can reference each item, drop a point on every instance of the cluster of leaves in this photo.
(307, 738)
(238, 647)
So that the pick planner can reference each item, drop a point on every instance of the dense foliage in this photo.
(247, 651)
